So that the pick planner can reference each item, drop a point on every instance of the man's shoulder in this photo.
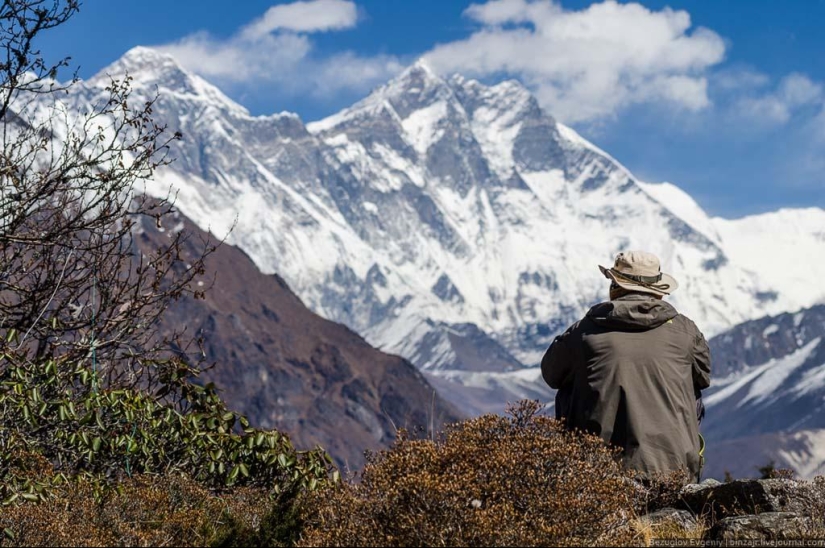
(579, 327)
(686, 324)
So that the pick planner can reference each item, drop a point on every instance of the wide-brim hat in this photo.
(640, 271)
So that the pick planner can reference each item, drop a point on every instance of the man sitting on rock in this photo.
(632, 370)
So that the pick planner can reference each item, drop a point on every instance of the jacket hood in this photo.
(632, 313)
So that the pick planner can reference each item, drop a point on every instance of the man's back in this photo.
(630, 372)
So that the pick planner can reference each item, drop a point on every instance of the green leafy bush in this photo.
(81, 466)
(104, 436)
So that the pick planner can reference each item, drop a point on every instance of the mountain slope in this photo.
(456, 224)
(767, 395)
(769, 376)
(802, 451)
(287, 368)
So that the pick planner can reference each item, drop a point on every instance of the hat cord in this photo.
(645, 281)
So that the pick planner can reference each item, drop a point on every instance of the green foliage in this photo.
(53, 410)
(80, 465)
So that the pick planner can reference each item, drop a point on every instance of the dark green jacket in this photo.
(630, 372)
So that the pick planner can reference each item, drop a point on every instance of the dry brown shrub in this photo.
(144, 511)
(521, 480)
(656, 491)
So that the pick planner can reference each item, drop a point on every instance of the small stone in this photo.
(696, 487)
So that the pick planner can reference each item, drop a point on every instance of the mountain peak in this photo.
(420, 69)
(417, 80)
(143, 61)
(416, 87)
(145, 54)
(509, 95)
(152, 69)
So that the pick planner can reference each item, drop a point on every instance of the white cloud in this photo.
(240, 60)
(306, 16)
(739, 79)
(795, 91)
(588, 64)
(276, 49)
(819, 126)
(583, 65)
(349, 71)
(799, 90)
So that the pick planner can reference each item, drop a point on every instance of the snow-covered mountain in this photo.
(802, 451)
(454, 223)
(771, 377)
(768, 394)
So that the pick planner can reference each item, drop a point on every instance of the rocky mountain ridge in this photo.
(289, 369)
(438, 202)
(454, 223)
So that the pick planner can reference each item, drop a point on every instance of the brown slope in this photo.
(287, 368)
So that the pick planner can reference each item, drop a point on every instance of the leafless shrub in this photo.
(72, 282)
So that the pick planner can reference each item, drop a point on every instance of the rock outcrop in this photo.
(767, 526)
(749, 510)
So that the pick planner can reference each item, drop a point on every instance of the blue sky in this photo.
(725, 99)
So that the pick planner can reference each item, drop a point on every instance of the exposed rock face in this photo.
(683, 519)
(765, 526)
(756, 342)
(753, 497)
(750, 510)
(287, 368)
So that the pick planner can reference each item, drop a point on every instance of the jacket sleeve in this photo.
(557, 363)
(701, 362)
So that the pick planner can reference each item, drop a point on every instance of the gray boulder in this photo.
(737, 498)
(766, 526)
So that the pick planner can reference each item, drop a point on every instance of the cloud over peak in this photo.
(277, 50)
(772, 107)
(583, 65)
(590, 63)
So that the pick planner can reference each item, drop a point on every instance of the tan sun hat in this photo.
(640, 271)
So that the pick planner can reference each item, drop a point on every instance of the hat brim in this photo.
(668, 283)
